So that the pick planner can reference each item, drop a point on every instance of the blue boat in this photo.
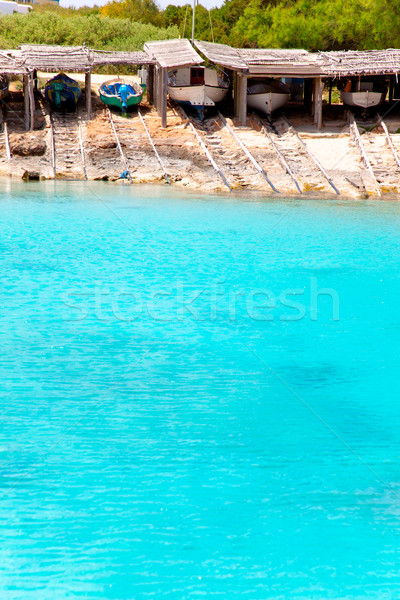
(121, 94)
(62, 92)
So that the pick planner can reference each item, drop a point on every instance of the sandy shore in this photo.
(88, 149)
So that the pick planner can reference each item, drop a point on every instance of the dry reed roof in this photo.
(103, 57)
(11, 64)
(355, 63)
(284, 62)
(75, 58)
(173, 53)
(222, 55)
(56, 58)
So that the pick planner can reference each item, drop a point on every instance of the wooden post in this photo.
(157, 88)
(317, 102)
(150, 84)
(314, 97)
(391, 88)
(330, 91)
(236, 93)
(26, 102)
(31, 102)
(88, 92)
(243, 100)
(163, 97)
(320, 104)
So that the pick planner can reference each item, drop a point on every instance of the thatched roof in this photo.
(173, 53)
(280, 62)
(56, 58)
(222, 55)
(354, 63)
(11, 64)
(103, 57)
(75, 58)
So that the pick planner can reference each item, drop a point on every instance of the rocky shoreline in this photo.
(71, 147)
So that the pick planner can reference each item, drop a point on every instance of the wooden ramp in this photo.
(380, 154)
(66, 147)
(236, 164)
(136, 147)
(304, 169)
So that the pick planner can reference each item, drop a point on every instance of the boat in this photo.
(267, 95)
(363, 93)
(4, 85)
(62, 92)
(121, 94)
(198, 87)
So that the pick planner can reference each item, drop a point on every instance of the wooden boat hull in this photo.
(120, 94)
(267, 102)
(266, 94)
(198, 87)
(62, 92)
(197, 95)
(363, 99)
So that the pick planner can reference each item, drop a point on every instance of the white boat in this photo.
(199, 87)
(267, 95)
(364, 94)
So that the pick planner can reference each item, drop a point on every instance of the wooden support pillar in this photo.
(243, 100)
(26, 102)
(236, 93)
(157, 88)
(391, 88)
(317, 102)
(88, 93)
(150, 84)
(31, 101)
(163, 97)
(35, 80)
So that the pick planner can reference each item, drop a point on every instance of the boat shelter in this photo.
(253, 62)
(361, 63)
(14, 65)
(168, 54)
(76, 59)
(53, 59)
(229, 58)
(288, 63)
(102, 58)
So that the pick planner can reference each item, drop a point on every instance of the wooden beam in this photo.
(26, 102)
(317, 102)
(157, 88)
(236, 93)
(150, 84)
(88, 93)
(243, 100)
(163, 97)
(31, 101)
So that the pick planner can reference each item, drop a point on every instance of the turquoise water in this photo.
(171, 425)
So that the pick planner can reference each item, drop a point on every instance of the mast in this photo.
(193, 18)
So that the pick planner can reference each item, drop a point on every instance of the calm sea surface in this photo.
(200, 396)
